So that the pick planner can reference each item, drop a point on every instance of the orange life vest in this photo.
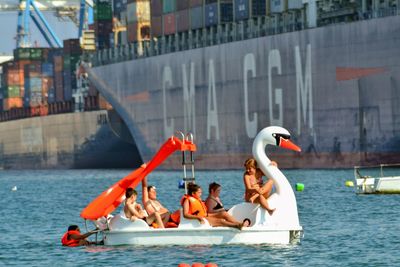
(196, 206)
(71, 242)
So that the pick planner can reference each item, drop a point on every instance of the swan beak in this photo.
(286, 143)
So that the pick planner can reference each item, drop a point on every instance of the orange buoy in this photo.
(211, 264)
(183, 265)
(197, 264)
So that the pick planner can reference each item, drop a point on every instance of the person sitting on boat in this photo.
(134, 211)
(214, 204)
(151, 204)
(194, 208)
(256, 190)
(74, 238)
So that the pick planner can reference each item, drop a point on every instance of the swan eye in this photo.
(278, 138)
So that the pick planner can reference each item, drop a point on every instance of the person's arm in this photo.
(186, 212)
(145, 194)
(83, 236)
(132, 209)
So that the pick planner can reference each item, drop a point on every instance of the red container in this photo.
(15, 77)
(156, 8)
(169, 22)
(13, 102)
(132, 29)
(58, 86)
(156, 26)
(72, 46)
(58, 63)
(182, 20)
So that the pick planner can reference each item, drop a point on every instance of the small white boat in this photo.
(282, 227)
(379, 183)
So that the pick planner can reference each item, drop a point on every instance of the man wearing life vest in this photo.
(74, 238)
(194, 208)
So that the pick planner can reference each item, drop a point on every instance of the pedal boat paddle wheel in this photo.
(282, 227)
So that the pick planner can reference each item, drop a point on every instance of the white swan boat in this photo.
(282, 227)
(379, 183)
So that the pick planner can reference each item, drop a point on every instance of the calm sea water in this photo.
(340, 227)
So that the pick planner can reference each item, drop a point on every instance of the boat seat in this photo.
(190, 223)
(120, 222)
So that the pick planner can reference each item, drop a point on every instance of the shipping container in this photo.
(182, 4)
(196, 3)
(182, 20)
(226, 12)
(59, 86)
(241, 10)
(295, 4)
(13, 91)
(169, 6)
(47, 69)
(71, 62)
(103, 27)
(28, 53)
(258, 8)
(169, 24)
(196, 17)
(156, 26)
(133, 29)
(14, 77)
(278, 6)
(102, 11)
(33, 84)
(58, 63)
(131, 13)
(211, 14)
(47, 84)
(210, 2)
(156, 8)
(10, 103)
(119, 6)
(33, 69)
(51, 96)
(72, 47)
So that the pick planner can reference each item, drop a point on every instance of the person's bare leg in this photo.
(165, 217)
(264, 203)
(215, 221)
(267, 188)
(155, 217)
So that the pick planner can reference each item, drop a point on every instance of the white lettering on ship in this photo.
(249, 66)
(167, 82)
(212, 109)
(304, 89)
(274, 61)
(189, 104)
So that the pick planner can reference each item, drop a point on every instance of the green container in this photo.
(12, 91)
(169, 6)
(22, 53)
(102, 11)
(35, 53)
(70, 61)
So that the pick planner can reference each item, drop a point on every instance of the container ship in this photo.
(50, 115)
(328, 71)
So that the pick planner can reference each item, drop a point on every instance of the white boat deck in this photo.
(379, 183)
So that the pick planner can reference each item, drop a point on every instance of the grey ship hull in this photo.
(335, 88)
(66, 141)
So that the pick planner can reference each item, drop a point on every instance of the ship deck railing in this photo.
(222, 33)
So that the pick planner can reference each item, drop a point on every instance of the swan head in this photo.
(277, 136)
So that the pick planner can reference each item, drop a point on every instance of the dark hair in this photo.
(192, 188)
(150, 187)
(73, 227)
(213, 186)
(129, 192)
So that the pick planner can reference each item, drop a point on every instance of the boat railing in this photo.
(381, 168)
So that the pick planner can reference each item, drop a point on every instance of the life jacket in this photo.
(196, 206)
(71, 242)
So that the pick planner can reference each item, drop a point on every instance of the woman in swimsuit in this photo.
(256, 191)
(214, 205)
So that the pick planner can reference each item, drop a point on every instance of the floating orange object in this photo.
(110, 199)
(183, 265)
(197, 264)
(211, 264)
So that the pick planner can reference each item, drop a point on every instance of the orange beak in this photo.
(286, 143)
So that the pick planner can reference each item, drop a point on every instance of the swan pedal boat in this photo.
(282, 227)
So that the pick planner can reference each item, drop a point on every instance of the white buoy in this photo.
(14, 188)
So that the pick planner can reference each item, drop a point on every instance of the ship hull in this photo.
(335, 88)
(65, 141)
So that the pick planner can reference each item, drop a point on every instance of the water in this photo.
(340, 227)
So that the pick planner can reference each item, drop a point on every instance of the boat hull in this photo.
(211, 236)
(383, 185)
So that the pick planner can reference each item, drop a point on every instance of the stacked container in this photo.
(103, 24)
(156, 7)
(72, 54)
(218, 12)
(196, 14)
(138, 20)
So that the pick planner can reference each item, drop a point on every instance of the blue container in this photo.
(196, 17)
(226, 12)
(277, 6)
(241, 9)
(258, 8)
(48, 69)
(211, 14)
